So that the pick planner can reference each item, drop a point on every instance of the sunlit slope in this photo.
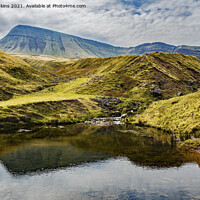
(144, 78)
(55, 93)
(137, 77)
(178, 115)
(45, 63)
(17, 77)
(58, 104)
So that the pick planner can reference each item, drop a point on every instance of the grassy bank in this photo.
(65, 111)
(177, 115)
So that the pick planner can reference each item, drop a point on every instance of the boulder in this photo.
(156, 92)
(180, 94)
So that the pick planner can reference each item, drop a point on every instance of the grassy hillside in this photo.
(45, 63)
(18, 77)
(133, 82)
(57, 104)
(178, 115)
(137, 77)
(59, 111)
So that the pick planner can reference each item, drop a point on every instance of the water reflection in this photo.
(109, 179)
(85, 162)
(50, 148)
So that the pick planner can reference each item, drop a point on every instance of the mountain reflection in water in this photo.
(50, 148)
(92, 163)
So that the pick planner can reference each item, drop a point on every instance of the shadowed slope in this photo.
(18, 77)
(33, 40)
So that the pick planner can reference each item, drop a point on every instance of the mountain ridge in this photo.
(34, 40)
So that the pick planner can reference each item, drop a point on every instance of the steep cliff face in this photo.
(32, 40)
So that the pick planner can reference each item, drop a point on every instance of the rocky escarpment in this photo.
(34, 40)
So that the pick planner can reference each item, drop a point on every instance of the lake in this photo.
(94, 162)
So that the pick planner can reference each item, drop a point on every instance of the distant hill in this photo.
(33, 40)
(37, 41)
(188, 50)
(151, 47)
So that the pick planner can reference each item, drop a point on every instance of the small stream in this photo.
(105, 121)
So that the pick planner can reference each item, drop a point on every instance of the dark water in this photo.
(85, 162)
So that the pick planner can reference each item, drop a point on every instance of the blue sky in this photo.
(117, 22)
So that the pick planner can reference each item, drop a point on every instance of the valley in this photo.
(100, 100)
(155, 89)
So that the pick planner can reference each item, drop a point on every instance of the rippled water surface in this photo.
(86, 162)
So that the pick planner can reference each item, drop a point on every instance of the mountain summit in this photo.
(33, 40)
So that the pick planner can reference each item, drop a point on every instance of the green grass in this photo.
(57, 104)
(79, 80)
(191, 144)
(134, 76)
(45, 63)
(56, 93)
(59, 111)
(129, 76)
(179, 115)
(18, 77)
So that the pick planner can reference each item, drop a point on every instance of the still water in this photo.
(86, 162)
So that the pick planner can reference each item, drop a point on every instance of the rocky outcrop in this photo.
(156, 92)
(107, 102)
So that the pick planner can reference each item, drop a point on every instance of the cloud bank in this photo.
(117, 22)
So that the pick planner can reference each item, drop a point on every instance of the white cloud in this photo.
(118, 22)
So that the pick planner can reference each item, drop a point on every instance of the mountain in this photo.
(33, 40)
(188, 50)
(151, 47)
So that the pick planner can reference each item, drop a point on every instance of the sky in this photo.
(123, 23)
